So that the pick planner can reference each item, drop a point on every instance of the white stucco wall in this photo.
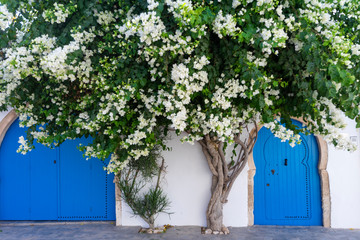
(188, 179)
(344, 176)
(187, 185)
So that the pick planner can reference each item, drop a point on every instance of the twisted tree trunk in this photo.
(224, 175)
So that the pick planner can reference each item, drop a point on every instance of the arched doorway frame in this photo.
(323, 173)
(6, 123)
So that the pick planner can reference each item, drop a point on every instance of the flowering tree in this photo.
(117, 70)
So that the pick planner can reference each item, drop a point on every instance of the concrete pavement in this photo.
(107, 230)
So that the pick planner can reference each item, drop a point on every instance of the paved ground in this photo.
(106, 230)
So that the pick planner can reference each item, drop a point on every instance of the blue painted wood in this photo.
(27, 182)
(286, 184)
(56, 184)
(43, 187)
(86, 190)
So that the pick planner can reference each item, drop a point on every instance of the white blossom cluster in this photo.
(355, 49)
(112, 106)
(152, 4)
(147, 26)
(317, 12)
(179, 8)
(135, 143)
(5, 17)
(223, 96)
(283, 133)
(41, 135)
(24, 147)
(185, 86)
(332, 122)
(297, 44)
(236, 3)
(17, 64)
(332, 125)
(43, 57)
(275, 32)
(225, 25)
(116, 165)
(105, 17)
(58, 14)
(259, 62)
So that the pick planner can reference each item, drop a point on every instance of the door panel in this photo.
(27, 182)
(285, 197)
(14, 178)
(286, 183)
(84, 185)
(43, 188)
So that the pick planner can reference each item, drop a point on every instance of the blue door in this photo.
(57, 184)
(286, 183)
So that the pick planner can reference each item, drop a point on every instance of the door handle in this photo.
(285, 162)
(54, 161)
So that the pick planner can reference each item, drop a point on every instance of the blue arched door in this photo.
(52, 184)
(286, 183)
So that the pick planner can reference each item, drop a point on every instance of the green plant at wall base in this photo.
(116, 70)
(133, 179)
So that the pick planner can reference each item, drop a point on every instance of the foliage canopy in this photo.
(120, 70)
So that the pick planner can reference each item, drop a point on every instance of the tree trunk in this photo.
(223, 176)
(151, 222)
(214, 212)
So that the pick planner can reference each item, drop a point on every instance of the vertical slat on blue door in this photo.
(26, 181)
(86, 191)
(286, 183)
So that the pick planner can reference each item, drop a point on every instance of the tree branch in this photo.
(128, 175)
(241, 165)
(160, 171)
(208, 158)
(223, 160)
(253, 139)
(134, 180)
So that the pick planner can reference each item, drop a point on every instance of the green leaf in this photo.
(160, 8)
(143, 82)
(334, 73)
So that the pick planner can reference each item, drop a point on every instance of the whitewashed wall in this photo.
(344, 175)
(188, 179)
(187, 185)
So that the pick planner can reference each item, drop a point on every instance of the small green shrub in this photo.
(133, 179)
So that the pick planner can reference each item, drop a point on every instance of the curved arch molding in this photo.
(324, 181)
(6, 123)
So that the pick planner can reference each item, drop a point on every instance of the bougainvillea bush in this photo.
(118, 70)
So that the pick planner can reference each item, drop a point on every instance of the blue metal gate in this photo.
(57, 184)
(286, 183)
